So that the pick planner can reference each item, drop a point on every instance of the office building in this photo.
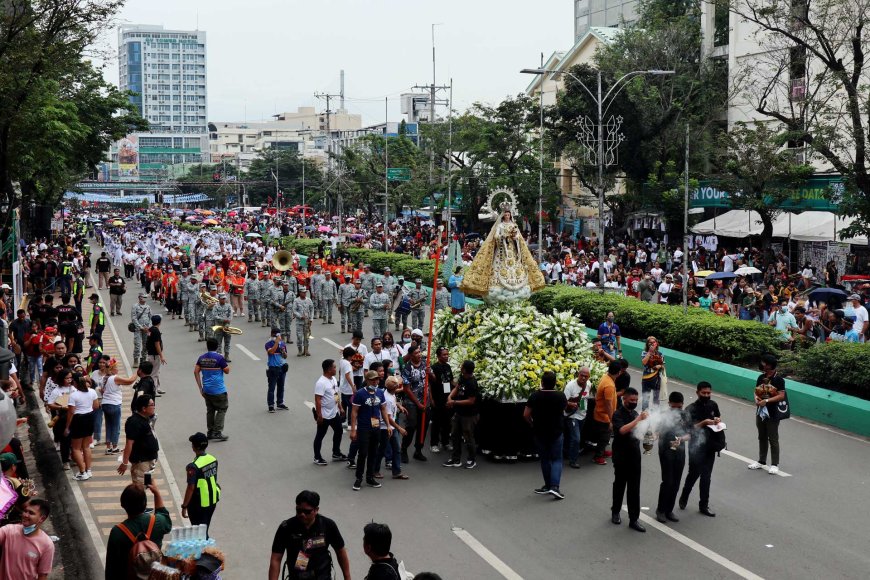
(589, 13)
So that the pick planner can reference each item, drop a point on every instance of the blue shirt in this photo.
(457, 297)
(212, 366)
(607, 332)
(278, 358)
(369, 407)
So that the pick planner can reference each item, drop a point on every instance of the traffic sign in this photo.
(399, 174)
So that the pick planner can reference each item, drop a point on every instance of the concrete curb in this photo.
(828, 407)
(81, 560)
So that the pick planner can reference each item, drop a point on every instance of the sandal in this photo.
(401, 476)
(378, 476)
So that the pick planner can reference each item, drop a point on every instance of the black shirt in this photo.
(443, 374)
(154, 337)
(775, 381)
(699, 411)
(467, 389)
(293, 537)
(624, 446)
(547, 407)
(386, 569)
(67, 314)
(103, 264)
(145, 446)
(677, 425)
(116, 285)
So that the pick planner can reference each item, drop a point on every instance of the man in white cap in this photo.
(198, 322)
(328, 296)
(419, 297)
(861, 317)
(317, 282)
(222, 314)
(442, 297)
(379, 302)
(303, 312)
(141, 318)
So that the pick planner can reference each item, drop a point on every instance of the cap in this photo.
(222, 295)
(371, 375)
(142, 295)
(276, 330)
(7, 460)
(418, 281)
(401, 277)
(317, 267)
(50, 329)
(854, 297)
(198, 438)
(5, 287)
(387, 269)
(379, 283)
(416, 332)
(203, 285)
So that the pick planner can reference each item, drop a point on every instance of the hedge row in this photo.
(838, 366)
(700, 333)
(399, 264)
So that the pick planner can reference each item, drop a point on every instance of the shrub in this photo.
(838, 366)
(699, 332)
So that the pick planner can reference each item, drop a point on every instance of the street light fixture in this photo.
(603, 103)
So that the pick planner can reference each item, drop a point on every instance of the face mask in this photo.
(703, 398)
(631, 406)
(29, 530)
(406, 340)
(609, 319)
(370, 388)
(784, 308)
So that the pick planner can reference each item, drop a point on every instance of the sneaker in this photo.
(755, 465)
(556, 493)
(420, 457)
(599, 461)
(108, 450)
(357, 484)
(373, 482)
(435, 449)
(339, 457)
(320, 462)
(351, 464)
(608, 453)
(470, 464)
(773, 470)
(389, 465)
(542, 490)
(283, 407)
(80, 476)
(452, 463)
(574, 465)
(271, 409)
(91, 445)
(159, 392)
(115, 450)
(66, 466)
(220, 437)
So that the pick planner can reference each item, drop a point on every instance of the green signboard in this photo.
(816, 194)
(399, 174)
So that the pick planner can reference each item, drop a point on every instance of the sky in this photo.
(270, 56)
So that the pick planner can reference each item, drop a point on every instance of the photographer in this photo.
(276, 373)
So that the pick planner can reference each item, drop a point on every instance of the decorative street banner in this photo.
(128, 158)
(816, 194)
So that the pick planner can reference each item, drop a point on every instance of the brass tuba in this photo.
(207, 299)
(282, 260)
(227, 329)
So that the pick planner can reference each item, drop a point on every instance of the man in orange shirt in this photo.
(605, 406)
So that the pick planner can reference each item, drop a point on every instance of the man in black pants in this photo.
(702, 413)
(369, 409)
(672, 456)
(626, 461)
(442, 416)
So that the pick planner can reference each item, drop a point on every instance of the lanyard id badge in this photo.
(301, 561)
(376, 423)
(447, 388)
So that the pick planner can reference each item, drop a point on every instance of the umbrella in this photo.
(118, 223)
(721, 276)
(323, 229)
(210, 222)
(309, 228)
(826, 294)
(350, 219)
(232, 213)
(253, 235)
(704, 273)
(746, 271)
(206, 212)
(357, 237)
(192, 218)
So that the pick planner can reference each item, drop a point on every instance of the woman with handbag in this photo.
(653, 367)
(58, 403)
(771, 403)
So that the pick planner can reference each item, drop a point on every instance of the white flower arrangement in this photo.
(513, 344)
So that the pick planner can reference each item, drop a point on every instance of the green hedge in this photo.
(700, 333)
(838, 366)
(400, 264)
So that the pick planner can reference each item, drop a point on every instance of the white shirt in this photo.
(325, 387)
(363, 350)
(392, 408)
(861, 316)
(374, 357)
(82, 401)
(572, 390)
(112, 394)
(656, 273)
(344, 369)
(664, 288)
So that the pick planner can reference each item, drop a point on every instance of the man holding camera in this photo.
(276, 372)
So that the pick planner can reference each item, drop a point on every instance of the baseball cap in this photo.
(222, 295)
(416, 332)
(142, 295)
(7, 460)
(418, 280)
(854, 297)
(379, 283)
(371, 375)
(198, 438)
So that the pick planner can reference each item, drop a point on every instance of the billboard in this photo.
(128, 158)
(820, 193)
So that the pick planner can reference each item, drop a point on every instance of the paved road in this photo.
(807, 525)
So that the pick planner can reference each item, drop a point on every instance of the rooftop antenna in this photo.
(342, 91)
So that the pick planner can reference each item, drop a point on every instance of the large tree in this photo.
(811, 75)
(57, 115)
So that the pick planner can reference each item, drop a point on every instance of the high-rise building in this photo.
(588, 13)
(166, 69)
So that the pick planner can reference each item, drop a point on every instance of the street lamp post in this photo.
(603, 104)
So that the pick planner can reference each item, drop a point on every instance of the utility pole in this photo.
(450, 162)
(432, 88)
(386, 168)
(328, 98)
(686, 231)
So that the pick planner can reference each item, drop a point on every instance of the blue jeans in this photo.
(113, 423)
(551, 460)
(573, 428)
(390, 450)
(275, 377)
(98, 425)
(34, 368)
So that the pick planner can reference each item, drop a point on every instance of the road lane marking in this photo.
(703, 550)
(247, 352)
(308, 404)
(748, 461)
(332, 342)
(487, 556)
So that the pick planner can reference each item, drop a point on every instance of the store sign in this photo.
(816, 194)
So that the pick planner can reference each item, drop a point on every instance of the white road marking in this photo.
(247, 352)
(748, 461)
(487, 556)
(308, 404)
(332, 342)
(703, 550)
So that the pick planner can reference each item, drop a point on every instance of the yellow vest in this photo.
(206, 480)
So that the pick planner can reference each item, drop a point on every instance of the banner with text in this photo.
(816, 194)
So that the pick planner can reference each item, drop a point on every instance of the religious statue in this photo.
(504, 269)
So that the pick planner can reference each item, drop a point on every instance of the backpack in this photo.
(143, 554)
(716, 441)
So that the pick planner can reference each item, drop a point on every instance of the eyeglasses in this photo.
(304, 512)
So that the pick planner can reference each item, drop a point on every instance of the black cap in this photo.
(198, 438)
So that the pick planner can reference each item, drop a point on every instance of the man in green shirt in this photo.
(134, 501)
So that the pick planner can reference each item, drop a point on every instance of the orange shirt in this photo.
(606, 392)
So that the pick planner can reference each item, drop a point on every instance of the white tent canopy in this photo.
(808, 226)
